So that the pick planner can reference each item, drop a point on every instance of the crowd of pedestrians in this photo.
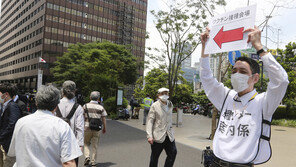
(56, 134)
(60, 130)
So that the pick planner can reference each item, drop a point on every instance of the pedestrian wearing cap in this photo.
(159, 129)
(67, 103)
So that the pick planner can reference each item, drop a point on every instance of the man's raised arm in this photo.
(214, 90)
(278, 77)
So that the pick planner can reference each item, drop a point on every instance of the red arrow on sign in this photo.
(228, 36)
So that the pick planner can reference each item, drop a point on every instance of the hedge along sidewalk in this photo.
(284, 122)
(282, 113)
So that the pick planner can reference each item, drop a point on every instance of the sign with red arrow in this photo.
(227, 30)
(229, 36)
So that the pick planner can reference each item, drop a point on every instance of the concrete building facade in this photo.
(31, 29)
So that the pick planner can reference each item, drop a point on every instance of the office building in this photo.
(31, 29)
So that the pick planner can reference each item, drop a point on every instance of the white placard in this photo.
(226, 30)
(119, 97)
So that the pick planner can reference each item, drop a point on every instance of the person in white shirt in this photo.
(243, 132)
(42, 139)
(66, 105)
(160, 131)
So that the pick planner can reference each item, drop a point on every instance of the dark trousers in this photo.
(221, 163)
(170, 149)
(76, 161)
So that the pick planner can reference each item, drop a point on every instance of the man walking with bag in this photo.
(95, 120)
(243, 133)
(159, 130)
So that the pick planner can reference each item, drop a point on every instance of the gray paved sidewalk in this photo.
(196, 129)
(126, 146)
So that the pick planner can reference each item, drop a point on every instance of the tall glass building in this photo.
(30, 29)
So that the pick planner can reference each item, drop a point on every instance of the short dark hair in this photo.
(255, 68)
(9, 88)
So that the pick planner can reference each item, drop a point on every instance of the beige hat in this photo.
(163, 90)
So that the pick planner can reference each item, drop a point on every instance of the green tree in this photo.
(288, 60)
(179, 29)
(183, 93)
(96, 66)
(155, 79)
(201, 98)
(139, 93)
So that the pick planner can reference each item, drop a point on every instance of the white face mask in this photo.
(164, 98)
(239, 82)
(2, 100)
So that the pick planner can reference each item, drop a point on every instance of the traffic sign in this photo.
(227, 30)
(232, 56)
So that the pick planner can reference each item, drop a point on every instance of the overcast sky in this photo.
(283, 19)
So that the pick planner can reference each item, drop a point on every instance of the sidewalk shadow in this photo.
(105, 164)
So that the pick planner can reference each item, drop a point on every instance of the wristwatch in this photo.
(260, 51)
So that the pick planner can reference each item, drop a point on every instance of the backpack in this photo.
(94, 123)
(207, 157)
(136, 103)
(69, 116)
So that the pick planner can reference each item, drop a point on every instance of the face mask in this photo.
(239, 82)
(164, 98)
(2, 100)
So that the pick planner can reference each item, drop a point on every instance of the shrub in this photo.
(110, 104)
(281, 113)
(284, 122)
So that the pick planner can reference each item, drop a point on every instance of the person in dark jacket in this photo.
(17, 99)
(10, 113)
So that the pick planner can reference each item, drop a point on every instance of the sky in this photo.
(283, 18)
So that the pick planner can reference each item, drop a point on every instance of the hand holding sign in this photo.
(254, 37)
(204, 38)
(227, 30)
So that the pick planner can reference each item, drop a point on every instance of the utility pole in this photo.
(267, 18)
(278, 38)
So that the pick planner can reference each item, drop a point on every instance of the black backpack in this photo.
(207, 157)
(94, 123)
(69, 116)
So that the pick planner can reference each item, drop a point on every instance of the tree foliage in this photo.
(184, 93)
(154, 80)
(179, 29)
(96, 66)
(288, 60)
(157, 78)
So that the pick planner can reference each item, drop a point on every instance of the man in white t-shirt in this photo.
(42, 139)
(243, 133)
